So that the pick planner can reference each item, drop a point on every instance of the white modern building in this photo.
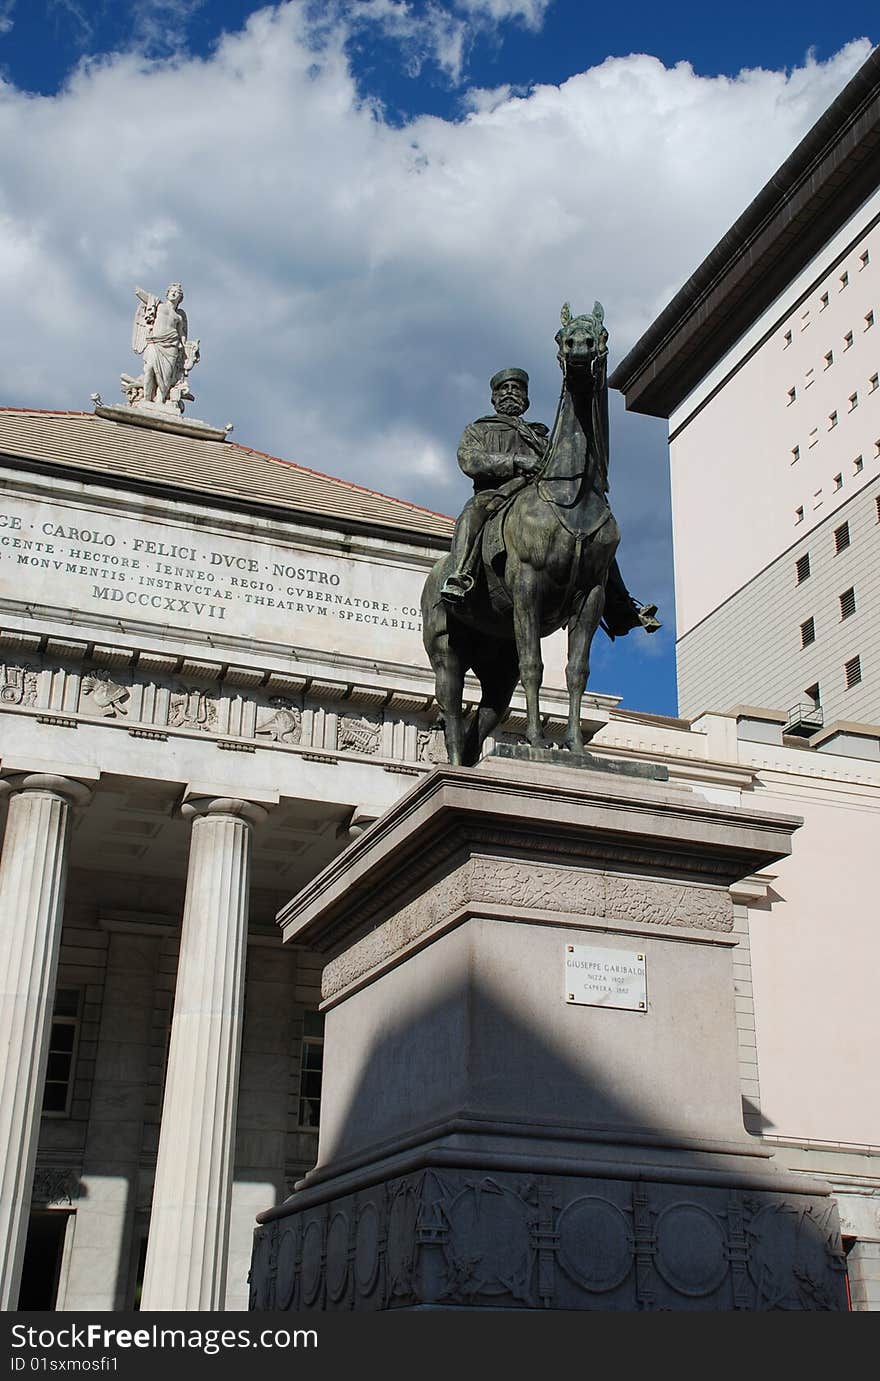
(767, 365)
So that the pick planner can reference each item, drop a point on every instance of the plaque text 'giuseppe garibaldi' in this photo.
(605, 978)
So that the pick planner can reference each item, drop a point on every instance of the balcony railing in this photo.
(804, 720)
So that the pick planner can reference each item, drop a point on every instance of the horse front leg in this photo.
(581, 629)
(527, 629)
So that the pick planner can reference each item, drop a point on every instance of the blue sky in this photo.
(373, 205)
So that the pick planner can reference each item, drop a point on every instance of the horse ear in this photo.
(599, 313)
(565, 314)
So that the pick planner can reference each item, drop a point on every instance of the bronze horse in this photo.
(554, 553)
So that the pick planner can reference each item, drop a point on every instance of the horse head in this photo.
(582, 344)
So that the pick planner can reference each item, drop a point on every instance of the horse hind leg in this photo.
(580, 638)
(498, 678)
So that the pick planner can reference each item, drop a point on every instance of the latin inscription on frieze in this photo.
(128, 568)
(599, 977)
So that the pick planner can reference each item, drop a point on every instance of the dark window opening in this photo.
(803, 568)
(62, 1051)
(852, 670)
(841, 538)
(43, 1253)
(310, 1070)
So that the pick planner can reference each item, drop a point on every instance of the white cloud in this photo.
(355, 284)
(530, 12)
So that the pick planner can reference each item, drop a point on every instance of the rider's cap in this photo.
(498, 379)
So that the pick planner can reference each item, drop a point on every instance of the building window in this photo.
(792, 394)
(869, 320)
(877, 504)
(812, 694)
(847, 340)
(838, 481)
(817, 499)
(847, 603)
(832, 420)
(803, 568)
(58, 1089)
(852, 670)
(814, 437)
(873, 382)
(808, 378)
(786, 340)
(310, 1068)
(805, 320)
(808, 632)
(864, 260)
(841, 538)
(795, 454)
(829, 359)
(858, 465)
(844, 280)
(853, 401)
(799, 514)
(823, 302)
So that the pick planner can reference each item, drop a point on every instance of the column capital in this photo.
(76, 792)
(196, 806)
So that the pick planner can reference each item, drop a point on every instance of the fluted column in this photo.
(33, 872)
(189, 1225)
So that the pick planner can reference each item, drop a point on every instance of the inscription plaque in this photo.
(597, 977)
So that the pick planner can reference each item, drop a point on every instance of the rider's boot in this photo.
(456, 587)
(460, 581)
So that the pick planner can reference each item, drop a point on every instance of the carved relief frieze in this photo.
(471, 1239)
(18, 684)
(412, 921)
(510, 882)
(667, 903)
(104, 696)
(284, 724)
(432, 745)
(190, 708)
(358, 734)
(575, 893)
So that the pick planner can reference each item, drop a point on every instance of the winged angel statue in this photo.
(159, 335)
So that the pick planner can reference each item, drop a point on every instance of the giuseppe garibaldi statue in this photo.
(501, 453)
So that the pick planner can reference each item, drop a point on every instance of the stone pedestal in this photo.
(503, 1126)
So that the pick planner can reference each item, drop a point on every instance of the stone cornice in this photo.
(571, 816)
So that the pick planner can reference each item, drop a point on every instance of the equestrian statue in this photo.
(533, 550)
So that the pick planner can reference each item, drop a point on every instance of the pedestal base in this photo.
(531, 1095)
(446, 1238)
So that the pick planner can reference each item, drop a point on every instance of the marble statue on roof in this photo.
(160, 335)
